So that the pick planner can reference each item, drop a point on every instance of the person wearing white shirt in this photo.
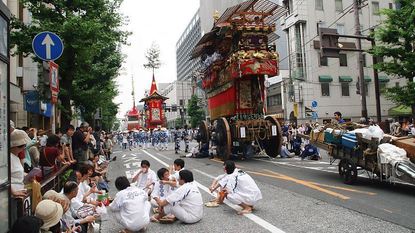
(161, 190)
(178, 165)
(130, 206)
(145, 178)
(70, 191)
(240, 188)
(186, 202)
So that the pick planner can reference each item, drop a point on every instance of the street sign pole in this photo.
(53, 120)
(49, 47)
(54, 90)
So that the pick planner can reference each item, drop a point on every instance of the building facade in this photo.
(331, 82)
(184, 46)
(178, 94)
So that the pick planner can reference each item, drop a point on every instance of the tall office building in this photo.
(184, 46)
(332, 82)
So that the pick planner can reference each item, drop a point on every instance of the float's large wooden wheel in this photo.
(204, 132)
(272, 145)
(223, 138)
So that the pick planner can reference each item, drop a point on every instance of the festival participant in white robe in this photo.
(220, 183)
(146, 178)
(240, 188)
(161, 190)
(186, 202)
(130, 206)
(178, 165)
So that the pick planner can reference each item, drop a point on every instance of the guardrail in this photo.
(52, 181)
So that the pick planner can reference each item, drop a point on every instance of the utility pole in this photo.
(356, 7)
(376, 79)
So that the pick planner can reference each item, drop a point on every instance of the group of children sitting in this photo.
(175, 196)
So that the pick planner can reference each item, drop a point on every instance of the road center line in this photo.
(261, 222)
(163, 156)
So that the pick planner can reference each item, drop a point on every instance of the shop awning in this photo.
(383, 79)
(345, 79)
(400, 110)
(368, 79)
(325, 78)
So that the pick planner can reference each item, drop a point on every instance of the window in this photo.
(339, 5)
(320, 24)
(345, 89)
(343, 59)
(390, 5)
(397, 84)
(325, 89)
(364, 60)
(382, 87)
(340, 29)
(274, 100)
(323, 60)
(375, 8)
(319, 5)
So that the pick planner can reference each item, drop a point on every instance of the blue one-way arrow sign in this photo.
(47, 46)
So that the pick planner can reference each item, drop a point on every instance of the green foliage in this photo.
(153, 57)
(395, 39)
(195, 112)
(402, 95)
(91, 34)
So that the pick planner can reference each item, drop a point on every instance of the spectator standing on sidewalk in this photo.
(18, 141)
(80, 142)
(66, 142)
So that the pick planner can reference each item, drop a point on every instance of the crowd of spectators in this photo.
(36, 155)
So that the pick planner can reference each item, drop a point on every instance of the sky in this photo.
(159, 21)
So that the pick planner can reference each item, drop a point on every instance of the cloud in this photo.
(157, 21)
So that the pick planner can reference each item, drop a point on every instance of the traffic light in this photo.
(174, 108)
(329, 42)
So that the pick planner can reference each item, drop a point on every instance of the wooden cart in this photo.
(237, 56)
(362, 157)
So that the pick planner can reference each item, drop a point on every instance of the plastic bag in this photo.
(101, 210)
(374, 131)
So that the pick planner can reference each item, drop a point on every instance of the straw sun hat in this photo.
(18, 138)
(50, 212)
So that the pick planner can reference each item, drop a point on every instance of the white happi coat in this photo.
(186, 203)
(146, 178)
(161, 190)
(131, 208)
(241, 188)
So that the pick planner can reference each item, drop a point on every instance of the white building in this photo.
(331, 82)
(179, 93)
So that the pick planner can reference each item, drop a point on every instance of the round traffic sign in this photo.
(47, 46)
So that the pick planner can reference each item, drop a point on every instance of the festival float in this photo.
(133, 115)
(154, 108)
(237, 57)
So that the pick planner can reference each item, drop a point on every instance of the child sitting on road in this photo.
(130, 206)
(161, 190)
(178, 165)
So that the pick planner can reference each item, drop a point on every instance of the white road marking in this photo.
(130, 174)
(266, 225)
(163, 156)
(323, 169)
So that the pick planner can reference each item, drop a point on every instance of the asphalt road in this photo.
(298, 196)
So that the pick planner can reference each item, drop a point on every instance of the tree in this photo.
(91, 59)
(153, 57)
(195, 112)
(396, 43)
